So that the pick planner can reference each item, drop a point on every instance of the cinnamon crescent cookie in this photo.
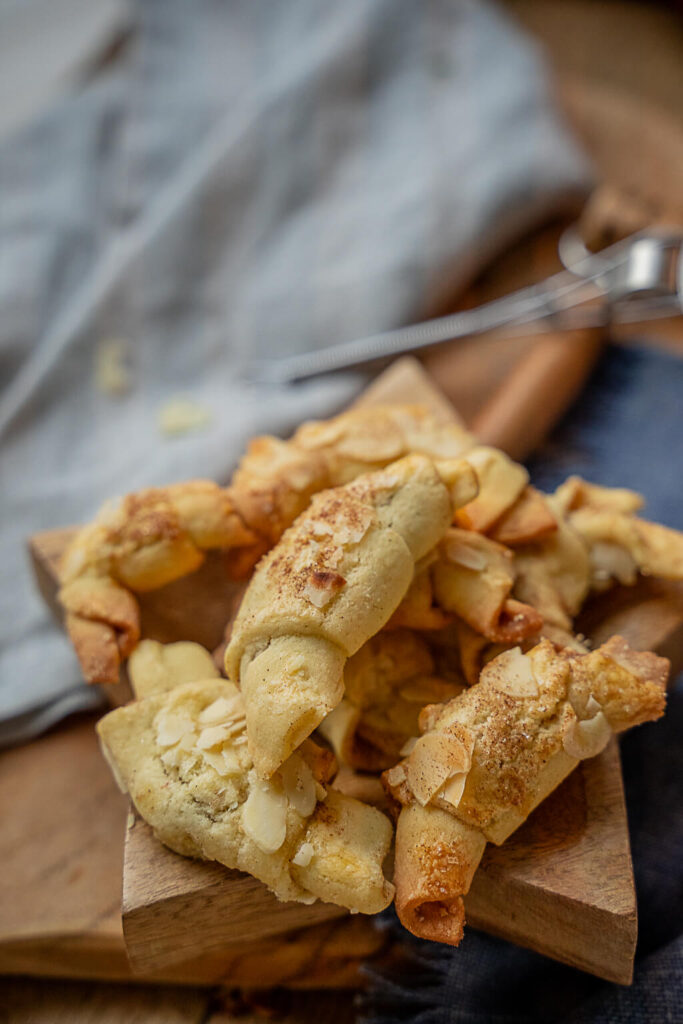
(333, 581)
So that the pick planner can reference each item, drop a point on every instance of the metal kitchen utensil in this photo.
(633, 281)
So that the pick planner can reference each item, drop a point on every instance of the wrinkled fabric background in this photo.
(623, 429)
(249, 179)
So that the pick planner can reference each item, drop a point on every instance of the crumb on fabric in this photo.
(112, 372)
(180, 415)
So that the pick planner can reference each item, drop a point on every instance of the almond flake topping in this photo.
(322, 585)
(222, 709)
(512, 673)
(466, 555)
(223, 762)
(299, 785)
(453, 788)
(587, 738)
(264, 815)
(592, 706)
(319, 528)
(304, 855)
(396, 775)
(612, 561)
(408, 747)
(212, 736)
(435, 758)
(188, 741)
(171, 728)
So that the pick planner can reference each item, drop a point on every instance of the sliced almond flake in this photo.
(233, 764)
(322, 585)
(454, 788)
(316, 596)
(592, 707)
(396, 775)
(172, 757)
(319, 527)
(512, 672)
(353, 533)
(435, 758)
(299, 785)
(189, 741)
(264, 815)
(240, 740)
(334, 557)
(612, 561)
(587, 738)
(171, 728)
(221, 709)
(408, 746)
(212, 736)
(235, 726)
(224, 762)
(216, 761)
(463, 554)
(304, 855)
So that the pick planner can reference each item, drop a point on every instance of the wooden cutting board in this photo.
(562, 885)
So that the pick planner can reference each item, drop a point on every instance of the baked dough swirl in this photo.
(488, 757)
(332, 583)
(161, 534)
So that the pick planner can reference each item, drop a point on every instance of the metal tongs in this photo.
(633, 281)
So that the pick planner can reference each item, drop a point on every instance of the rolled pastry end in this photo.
(288, 689)
(460, 479)
(96, 649)
(436, 857)
(341, 856)
(103, 622)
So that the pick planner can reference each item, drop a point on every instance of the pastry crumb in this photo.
(180, 415)
(112, 372)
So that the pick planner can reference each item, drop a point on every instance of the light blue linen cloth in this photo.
(248, 179)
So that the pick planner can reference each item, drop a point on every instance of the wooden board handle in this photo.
(537, 392)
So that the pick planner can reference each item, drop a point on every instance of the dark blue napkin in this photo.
(624, 430)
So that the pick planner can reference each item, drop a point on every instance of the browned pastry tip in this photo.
(439, 858)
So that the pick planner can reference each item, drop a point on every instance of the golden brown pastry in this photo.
(332, 582)
(155, 668)
(473, 578)
(386, 685)
(501, 482)
(553, 575)
(620, 544)
(160, 534)
(183, 757)
(490, 756)
(583, 537)
(530, 518)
